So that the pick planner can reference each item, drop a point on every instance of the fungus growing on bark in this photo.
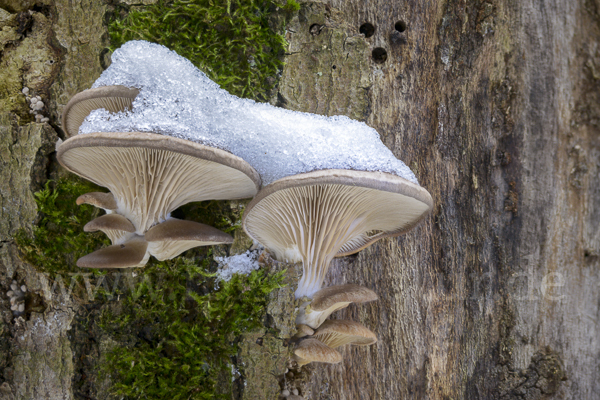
(174, 236)
(303, 331)
(106, 201)
(118, 228)
(111, 98)
(132, 253)
(151, 175)
(312, 217)
(336, 333)
(312, 350)
(331, 299)
(163, 241)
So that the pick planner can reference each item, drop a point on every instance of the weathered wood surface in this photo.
(495, 106)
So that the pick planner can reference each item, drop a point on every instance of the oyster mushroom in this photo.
(313, 217)
(118, 228)
(331, 299)
(106, 201)
(163, 241)
(111, 98)
(151, 175)
(336, 333)
(312, 350)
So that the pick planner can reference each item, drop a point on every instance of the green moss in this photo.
(184, 330)
(58, 239)
(237, 43)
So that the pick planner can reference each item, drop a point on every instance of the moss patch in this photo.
(183, 330)
(58, 240)
(237, 43)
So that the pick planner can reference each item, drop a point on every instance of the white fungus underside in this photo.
(148, 184)
(312, 223)
(177, 99)
(314, 319)
(337, 339)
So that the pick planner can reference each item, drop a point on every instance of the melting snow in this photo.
(239, 264)
(177, 99)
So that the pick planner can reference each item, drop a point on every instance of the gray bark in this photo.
(494, 105)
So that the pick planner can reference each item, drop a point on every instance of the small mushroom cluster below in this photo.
(36, 105)
(291, 395)
(317, 338)
(16, 294)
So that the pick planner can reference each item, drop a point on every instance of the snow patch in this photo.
(178, 100)
(243, 263)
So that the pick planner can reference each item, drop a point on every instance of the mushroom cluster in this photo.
(149, 176)
(331, 188)
(36, 105)
(314, 217)
(16, 294)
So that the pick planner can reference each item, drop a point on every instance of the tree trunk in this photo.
(496, 108)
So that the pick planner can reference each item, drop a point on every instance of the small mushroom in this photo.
(118, 228)
(313, 217)
(174, 236)
(106, 201)
(112, 98)
(163, 241)
(331, 299)
(312, 350)
(129, 254)
(336, 333)
(303, 331)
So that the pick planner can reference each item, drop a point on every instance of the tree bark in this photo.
(494, 105)
(496, 108)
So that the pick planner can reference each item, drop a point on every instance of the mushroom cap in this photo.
(109, 221)
(112, 98)
(179, 229)
(150, 175)
(312, 350)
(363, 241)
(129, 254)
(335, 333)
(102, 200)
(174, 236)
(330, 299)
(115, 226)
(311, 217)
(303, 330)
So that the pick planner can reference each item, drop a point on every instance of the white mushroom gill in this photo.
(315, 222)
(336, 333)
(150, 175)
